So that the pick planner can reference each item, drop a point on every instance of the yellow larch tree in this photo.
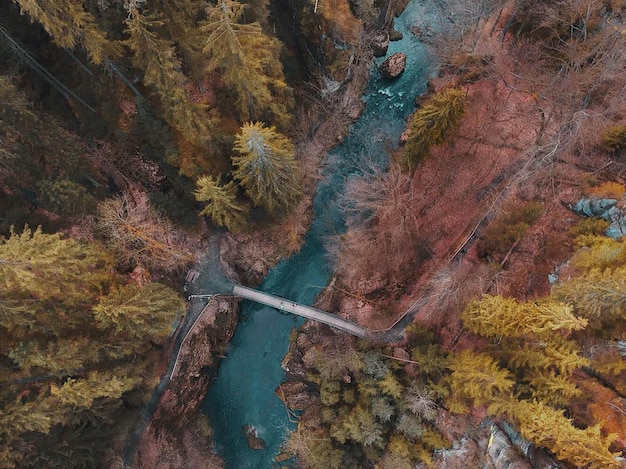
(221, 205)
(69, 25)
(156, 56)
(492, 316)
(248, 59)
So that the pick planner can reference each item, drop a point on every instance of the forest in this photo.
(133, 131)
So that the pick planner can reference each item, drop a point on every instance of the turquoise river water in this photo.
(243, 392)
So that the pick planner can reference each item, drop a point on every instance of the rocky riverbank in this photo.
(178, 434)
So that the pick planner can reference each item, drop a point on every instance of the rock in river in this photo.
(254, 442)
(395, 35)
(393, 67)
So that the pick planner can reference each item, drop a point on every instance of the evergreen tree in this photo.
(597, 295)
(598, 252)
(55, 355)
(433, 124)
(360, 426)
(548, 428)
(266, 167)
(157, 58)
(69, 25)
(181, 27)
(556, 353)
(391, 386)
(81, 393)
(249, 60)
(499, 316)
(48, 266)
(552, 388)
(477, 378)
(65, 196)
(33, 145)
(73, 341)
(221, 205)
(140, 313)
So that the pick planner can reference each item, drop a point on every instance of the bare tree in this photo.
(381, 221)
(421, 401)
(141, 235)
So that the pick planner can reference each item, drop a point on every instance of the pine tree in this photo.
(143, 313)
(16, 311)
(382, 409)
(69, 25)
(33, 145)
(65, 196)
(56, 355)
(249, 60)
(157, 58)
(48, 266)
(433, 124)
(391, 386)
(81, 393)
(410, 426)
(552, 388)
(477, 378)
(548, 428)
(597, 295)
(493, 316)
(360, 426)
(69, 353)
(221, 205)
(557, 353)
(266, 167)
(329, 392)
(598, 252)
(181, 27)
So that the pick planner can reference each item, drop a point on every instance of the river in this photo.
(243, 392)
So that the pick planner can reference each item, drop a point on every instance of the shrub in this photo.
(508, 229)
(470, 67)
(64, 196)
(614, 138)
(608, 190)
(589, 226)
(437, 120)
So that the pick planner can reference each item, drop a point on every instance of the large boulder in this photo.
(395, 35)
(254, 441)
(380, 43)
(393, 67)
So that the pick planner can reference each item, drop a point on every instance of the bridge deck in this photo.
(301, 310)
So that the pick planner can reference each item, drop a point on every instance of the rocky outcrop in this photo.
(254, 442)
(607, 209)
(380, 43)
(177, 430)
(393, 67)
(295, 395)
